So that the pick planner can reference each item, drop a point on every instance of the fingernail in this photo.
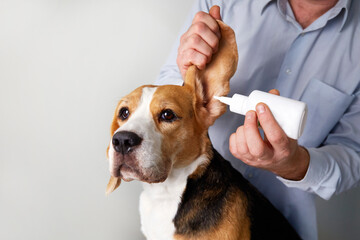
(250, 115)
(260, 108)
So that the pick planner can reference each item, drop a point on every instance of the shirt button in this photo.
(250, 175)
(288, 71)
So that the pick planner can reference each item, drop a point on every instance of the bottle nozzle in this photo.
(225, 100)
(237, 103)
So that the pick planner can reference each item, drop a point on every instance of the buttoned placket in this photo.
(288, 72)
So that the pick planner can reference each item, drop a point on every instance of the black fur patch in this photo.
(204, 198)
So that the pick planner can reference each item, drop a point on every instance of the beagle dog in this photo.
(160, 137)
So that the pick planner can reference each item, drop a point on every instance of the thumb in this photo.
(274, 91)
(215, 12)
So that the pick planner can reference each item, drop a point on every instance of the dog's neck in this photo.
(178, 177)
(159, 201)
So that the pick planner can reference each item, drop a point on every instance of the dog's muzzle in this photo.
(125, 142)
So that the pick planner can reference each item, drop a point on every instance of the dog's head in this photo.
(157, 128)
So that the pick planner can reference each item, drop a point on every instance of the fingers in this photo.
(200, 42)
(247, 144)
(215, 12)
(274, 133)
(238, 146)
(190, 57)
(256, 145)
(208, 20)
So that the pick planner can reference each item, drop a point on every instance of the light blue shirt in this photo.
(319, 65)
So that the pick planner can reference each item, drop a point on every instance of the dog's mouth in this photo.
(126, 173)
(126, 168)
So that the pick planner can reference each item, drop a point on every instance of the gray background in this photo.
(63, 66)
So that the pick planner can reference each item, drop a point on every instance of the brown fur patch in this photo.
(183, 139)
(235, 224)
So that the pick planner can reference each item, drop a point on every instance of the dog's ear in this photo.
(114, 126)
(214, 79)
(113, 182)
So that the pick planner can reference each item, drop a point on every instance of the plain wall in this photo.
(63, 66)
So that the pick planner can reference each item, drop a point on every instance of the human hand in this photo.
(200, 42)
(276, 152)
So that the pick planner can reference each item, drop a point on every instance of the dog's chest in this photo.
(159, 203)
(158, 208)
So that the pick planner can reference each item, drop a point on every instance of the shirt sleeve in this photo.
(335, 166)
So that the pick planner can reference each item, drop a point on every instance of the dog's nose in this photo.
(125, 141)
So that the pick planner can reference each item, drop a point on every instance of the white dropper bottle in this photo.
(290, 114)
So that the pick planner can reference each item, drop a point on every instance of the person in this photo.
(310, 51)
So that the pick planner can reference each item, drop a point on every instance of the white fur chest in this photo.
(158, 206)
(159, 203)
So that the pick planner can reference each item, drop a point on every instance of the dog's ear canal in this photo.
(214, 79)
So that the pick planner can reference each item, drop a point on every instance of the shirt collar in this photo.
(264, 4)
(345, 6)
(335, 11)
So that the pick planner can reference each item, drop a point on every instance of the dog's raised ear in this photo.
(214, 79)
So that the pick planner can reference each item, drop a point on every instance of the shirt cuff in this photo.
(313, 176)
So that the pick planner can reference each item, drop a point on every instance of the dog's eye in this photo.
(168, 116)
(124, 113)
